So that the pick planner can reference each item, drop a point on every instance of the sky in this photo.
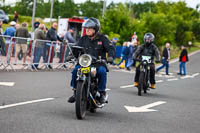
(190, 3)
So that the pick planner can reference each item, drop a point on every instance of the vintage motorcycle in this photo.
(144, 78)
(87, 96)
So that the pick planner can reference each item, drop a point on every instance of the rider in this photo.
(97, 45)
(147, 49)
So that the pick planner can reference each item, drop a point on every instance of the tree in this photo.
(117, 20)
(91, 9)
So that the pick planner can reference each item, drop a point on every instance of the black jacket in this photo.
(165, 53)
(98, 47)
(183, 53)
(52, 35)
(147, 50)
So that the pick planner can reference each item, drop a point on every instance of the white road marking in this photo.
(7, 83)
(107, 89)
(196, 74)
(126, 86)
(169, 76)
(23, 103)
(129, 86)
(144, 108)
(172, 79)
(121, 70)
(186, 76)
(190, 76)
(159, 81)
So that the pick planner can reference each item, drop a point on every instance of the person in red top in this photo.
(183, 58)
(15, 16)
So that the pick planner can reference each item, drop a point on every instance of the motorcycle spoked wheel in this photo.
(81, 100)
(141, 83)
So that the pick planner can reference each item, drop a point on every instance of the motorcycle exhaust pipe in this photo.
(95, 103)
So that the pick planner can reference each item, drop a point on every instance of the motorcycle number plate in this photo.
(85, 70)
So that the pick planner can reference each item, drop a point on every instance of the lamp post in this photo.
(33, 15)
(51, 13)
(104, 8)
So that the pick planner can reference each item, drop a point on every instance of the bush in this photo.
(21, 19)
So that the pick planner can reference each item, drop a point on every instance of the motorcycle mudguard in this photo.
(81, 78)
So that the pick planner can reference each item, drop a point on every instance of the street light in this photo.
(104, 8)
(51, 13)
(33, 15)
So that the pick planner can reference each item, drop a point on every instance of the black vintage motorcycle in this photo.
(87, 96)
(144, 74)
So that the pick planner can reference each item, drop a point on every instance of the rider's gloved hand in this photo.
(110, 59)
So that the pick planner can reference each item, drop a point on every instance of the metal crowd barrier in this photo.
(54, 54)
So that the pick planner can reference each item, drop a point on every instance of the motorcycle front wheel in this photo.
(81, 100)
(141, 83)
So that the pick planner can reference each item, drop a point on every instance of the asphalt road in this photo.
(179, 114)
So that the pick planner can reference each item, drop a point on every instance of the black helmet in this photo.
(92, 23)
(148, 38)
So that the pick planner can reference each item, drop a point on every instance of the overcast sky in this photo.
(190, 3)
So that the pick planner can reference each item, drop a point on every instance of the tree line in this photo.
(168, 21)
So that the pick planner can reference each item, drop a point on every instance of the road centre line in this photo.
(129, 86)
(159, 81)
(107, 89)
(190, 76)
(24, 103)
(196, 74)
(187, 76)
(172, 79)
(126, 86)
(7, 83)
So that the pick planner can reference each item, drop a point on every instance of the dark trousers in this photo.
(37, 55)
(165, 64)
(2, 44)
(101, 76)
(152, 74)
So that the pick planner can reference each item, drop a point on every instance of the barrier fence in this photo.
(25, 53)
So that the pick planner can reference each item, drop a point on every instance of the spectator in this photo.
(124, 55)
(21, 43)
(2, 44)
(40, 34)
(36, 24)
(51, 36)
(130, 55)
(183, 58)
(17, 26)
(114, 42)
(165, 59)
(68, 37)
(135, 46)
(134, 38)
(1, 29)
(10, 31)
(15, 16)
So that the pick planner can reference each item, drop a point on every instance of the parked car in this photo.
(3, 16)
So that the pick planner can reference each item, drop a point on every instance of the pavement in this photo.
(36, 102)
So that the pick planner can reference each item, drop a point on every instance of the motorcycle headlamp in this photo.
(85, 60)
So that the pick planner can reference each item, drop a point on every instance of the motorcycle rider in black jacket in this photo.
(97, 45)
(147, 49)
